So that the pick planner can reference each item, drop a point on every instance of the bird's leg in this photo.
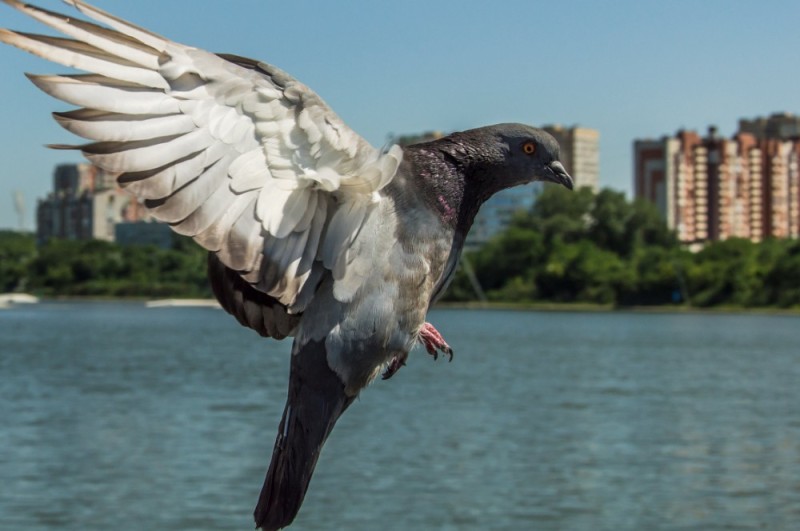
(394, 366)
(434, 342)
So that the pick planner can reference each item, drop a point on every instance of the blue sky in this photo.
(630, 69)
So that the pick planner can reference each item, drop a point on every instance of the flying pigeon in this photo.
(311, 231)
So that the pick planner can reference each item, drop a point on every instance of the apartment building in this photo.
(713, 188)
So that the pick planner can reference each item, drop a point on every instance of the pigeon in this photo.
(311, 232)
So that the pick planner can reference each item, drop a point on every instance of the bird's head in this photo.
(464, 169)
(521, 154)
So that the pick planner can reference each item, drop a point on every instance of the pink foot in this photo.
(434, 342)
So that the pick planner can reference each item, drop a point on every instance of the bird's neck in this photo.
(453, 180)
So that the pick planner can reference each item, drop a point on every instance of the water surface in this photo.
(119, 417)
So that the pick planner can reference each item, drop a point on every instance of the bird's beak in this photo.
(557, 174)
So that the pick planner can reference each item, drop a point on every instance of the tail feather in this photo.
(315, 402)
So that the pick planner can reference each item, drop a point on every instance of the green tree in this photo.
(656, 276)
(725, 272)
(609, 226)
(17, 249)
(782, 280)
(508, 255)
(559, 215)
(581, 272)
(99, 268)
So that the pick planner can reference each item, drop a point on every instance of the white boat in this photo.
(7, 299)
(184, 303)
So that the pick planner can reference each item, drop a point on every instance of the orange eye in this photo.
(529, 148)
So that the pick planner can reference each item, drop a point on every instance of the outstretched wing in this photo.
(232, 152)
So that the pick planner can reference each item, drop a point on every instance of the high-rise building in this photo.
(779, 126)
(713, 188)
(85, 204)
(580, 153)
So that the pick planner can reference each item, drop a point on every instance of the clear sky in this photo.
(628, 68)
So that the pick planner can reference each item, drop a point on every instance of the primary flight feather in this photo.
(311, 231)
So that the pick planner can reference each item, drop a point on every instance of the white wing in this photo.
(235, 153)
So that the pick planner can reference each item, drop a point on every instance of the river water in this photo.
(114, 416)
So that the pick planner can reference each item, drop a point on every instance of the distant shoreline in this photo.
(592, 308)
(495, 306)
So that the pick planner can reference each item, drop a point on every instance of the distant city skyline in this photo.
(626, 69)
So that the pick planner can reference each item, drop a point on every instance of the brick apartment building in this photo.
(713, 188)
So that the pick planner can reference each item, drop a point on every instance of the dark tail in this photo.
(315, 402)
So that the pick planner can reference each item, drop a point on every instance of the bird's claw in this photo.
(434, 342)
(393, 366)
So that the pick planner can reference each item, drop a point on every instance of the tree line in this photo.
(95, 268)
(582, 247)
(570, 247)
